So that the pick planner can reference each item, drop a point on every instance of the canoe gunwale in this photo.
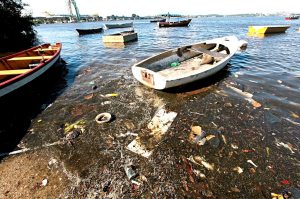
(33, 70)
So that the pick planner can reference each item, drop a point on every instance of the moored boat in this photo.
(182, 23)
(118, 25)
(20, 68)
(292, 17)
(122, 37)
(268, 29)
(187, 64)
(157, 20)
(89, 31)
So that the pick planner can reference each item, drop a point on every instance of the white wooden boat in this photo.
(118, 25)
(18, 69)
(186, 64)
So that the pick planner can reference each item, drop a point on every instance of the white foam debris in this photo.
(159, 125)
(284, 145)
(238, 169)
(251, 162)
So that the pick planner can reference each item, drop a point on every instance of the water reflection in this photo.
(21, 106)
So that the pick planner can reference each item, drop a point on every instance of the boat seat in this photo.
(46, 49)
(29, 58)
(14, 72)
(211, 53)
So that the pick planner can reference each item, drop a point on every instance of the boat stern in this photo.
(149, 78)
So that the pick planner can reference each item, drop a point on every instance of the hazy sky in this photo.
(154, 7)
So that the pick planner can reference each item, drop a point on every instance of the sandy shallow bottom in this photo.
(92, 164)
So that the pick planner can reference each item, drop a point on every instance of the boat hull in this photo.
(292, 18)
(157, 20)
(18, 81)
(183, 23)
(124, 25)
(89, 31)
(267, 29)
(164, 79)
(122, 37)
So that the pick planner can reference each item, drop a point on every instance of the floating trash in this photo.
(44, 182)
(138, 148)
(77, 124)
(200, 161)
(283, 195)
(89, 96)
(251, 162)
(128, 133)
(247, 150)
(235, 189)
(268, 151)
(287, 146)
(291, 121)
(159, 125)
(103, 118)
(73, 134)
(285, 182)
(238, 169)
(224, 139)
(94, 87)
(213, 141)
(234, 146)
(255, 103)
(111, 95)
(106, 186)
(52, 162)
(130, 172)
(294, 115)
(197, 130)
(105, 103)
(199, 174)
(197, 135)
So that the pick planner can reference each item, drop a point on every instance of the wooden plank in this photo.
(211, 53)
(46, 49)
(14, 72)
(29, 58)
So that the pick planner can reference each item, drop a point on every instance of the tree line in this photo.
(16, 32)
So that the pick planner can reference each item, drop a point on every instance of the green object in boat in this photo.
(174, 64)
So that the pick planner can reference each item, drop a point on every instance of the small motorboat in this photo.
(182, 23)
(89, 31)
(187, 64)
(20, 68)
(157, 20)
(118, 25)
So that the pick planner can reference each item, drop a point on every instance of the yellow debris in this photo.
(77, 124)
